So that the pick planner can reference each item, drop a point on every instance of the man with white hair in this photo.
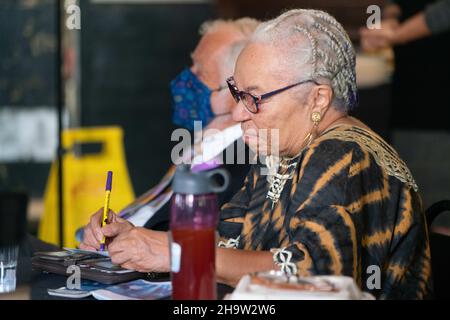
(338, 200)
(199, 92)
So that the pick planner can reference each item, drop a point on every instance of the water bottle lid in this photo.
(187, 182)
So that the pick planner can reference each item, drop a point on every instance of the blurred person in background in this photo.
(419, 32)
(435, 19)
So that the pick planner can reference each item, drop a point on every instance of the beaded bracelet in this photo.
(282, 258)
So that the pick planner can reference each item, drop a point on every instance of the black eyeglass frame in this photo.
(257, 99)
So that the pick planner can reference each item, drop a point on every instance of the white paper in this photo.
(144, 214)
(214, 145)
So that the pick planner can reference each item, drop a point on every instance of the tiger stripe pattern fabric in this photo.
(351, 207)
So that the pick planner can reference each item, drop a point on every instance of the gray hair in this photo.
(230, 57)
(245, 26)
(328, 56)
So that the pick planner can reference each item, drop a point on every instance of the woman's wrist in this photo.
(232, 264)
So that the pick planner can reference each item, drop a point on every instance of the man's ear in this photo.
(322, 96)
(222, 102)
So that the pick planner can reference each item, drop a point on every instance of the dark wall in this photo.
(27, 77)
(129, 54)
(27, 53)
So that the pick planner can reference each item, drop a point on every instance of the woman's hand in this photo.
(94, 233)
(392, 33)
(233, 264)
(142, 250)
(376, 39)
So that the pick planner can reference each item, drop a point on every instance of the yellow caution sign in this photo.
(84, 181)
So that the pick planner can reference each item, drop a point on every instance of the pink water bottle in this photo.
(194, 216)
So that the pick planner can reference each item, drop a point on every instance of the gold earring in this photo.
(316, 117)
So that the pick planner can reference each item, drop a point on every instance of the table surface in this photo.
(33, 285)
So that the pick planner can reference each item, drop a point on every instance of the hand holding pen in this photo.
(104, 224)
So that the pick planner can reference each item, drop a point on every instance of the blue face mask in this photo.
(191, 100)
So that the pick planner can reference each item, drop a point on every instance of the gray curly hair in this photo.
(329, 54)
(246, 26)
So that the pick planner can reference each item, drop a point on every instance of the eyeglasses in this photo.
(252, 102)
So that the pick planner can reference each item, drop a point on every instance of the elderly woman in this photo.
(340, 199)
(337, 200)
